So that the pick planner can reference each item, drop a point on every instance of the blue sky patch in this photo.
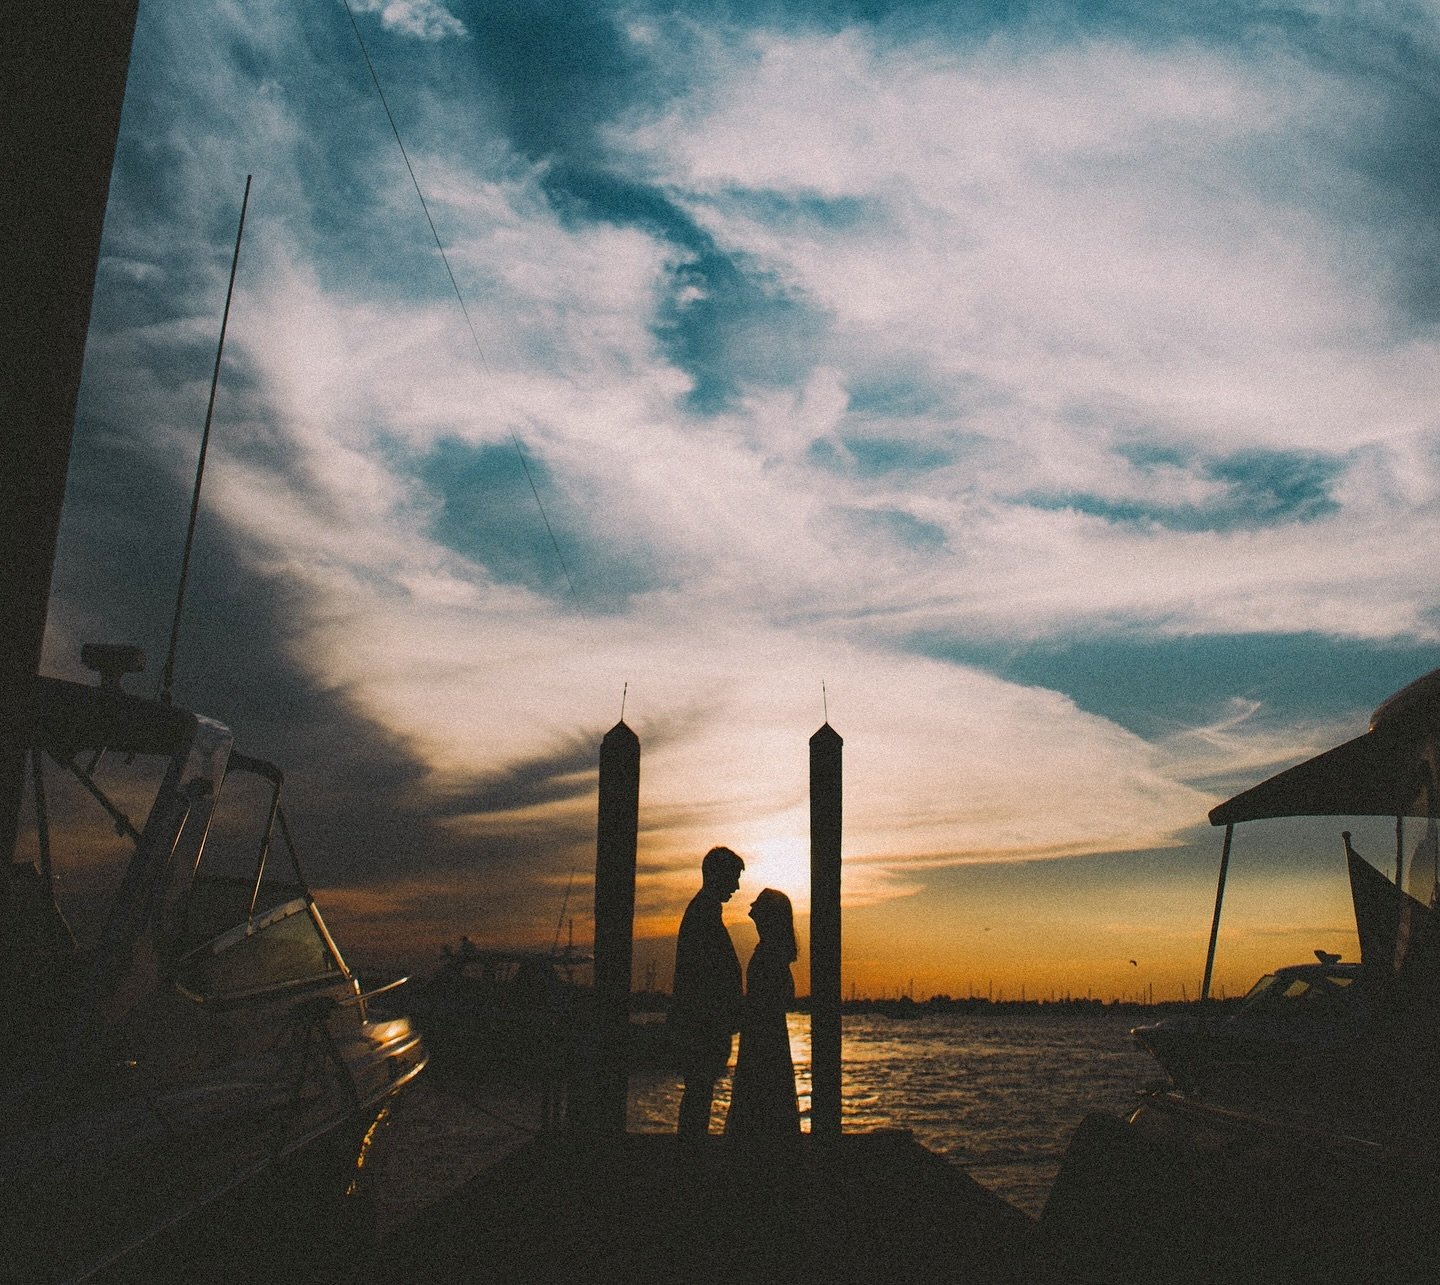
(875, 456)
(731, 331)
(1155, 686)
(488, 514)
(1150, 455)
(1261, 488)
(728, 327)
(794, 212)
(557, 69)
(1280, 486)
(897, 395)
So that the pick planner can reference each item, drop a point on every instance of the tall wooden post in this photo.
(825, 814)
(600, 1109)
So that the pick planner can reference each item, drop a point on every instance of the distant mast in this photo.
(825, 817)
(600, 1105)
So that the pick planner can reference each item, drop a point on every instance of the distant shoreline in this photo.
(905, 1008)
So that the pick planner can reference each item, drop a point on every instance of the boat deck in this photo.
(642, 1207)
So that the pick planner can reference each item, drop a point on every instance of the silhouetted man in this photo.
(705, 1002)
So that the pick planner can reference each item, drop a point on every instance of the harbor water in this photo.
(998, 1093)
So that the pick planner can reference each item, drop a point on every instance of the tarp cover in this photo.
(1386, 772)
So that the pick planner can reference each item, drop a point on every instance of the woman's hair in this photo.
(776, 921)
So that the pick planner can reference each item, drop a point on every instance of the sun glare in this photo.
(782, 863)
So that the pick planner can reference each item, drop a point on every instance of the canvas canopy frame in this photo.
(1389, 770)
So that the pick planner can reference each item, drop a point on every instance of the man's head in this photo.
(721, 872)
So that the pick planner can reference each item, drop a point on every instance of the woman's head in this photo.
(776, 921)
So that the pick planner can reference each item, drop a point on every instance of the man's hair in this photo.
(721, 861)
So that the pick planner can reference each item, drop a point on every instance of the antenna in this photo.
(623, 694)
(824, 701)
(167, 675)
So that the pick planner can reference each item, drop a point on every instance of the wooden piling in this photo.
(598, 1104)
(825, 817)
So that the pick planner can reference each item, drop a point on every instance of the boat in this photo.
(1296, 1134)
(523, 1016)
(1296, 1049)
(182, 1026)
(502, 1014)
(1345, 1050)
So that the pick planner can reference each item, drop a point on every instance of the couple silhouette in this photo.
(708, 1005)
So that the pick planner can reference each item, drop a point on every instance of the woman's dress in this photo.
(762, 1100)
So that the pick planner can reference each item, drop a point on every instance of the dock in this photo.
(645, 1207)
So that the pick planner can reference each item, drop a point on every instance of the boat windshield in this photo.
(1260, 988)
(244, 866)
(114, 787)
(1308, 998)
(88, 814)
(1321, 987)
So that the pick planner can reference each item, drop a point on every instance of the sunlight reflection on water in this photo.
(998, 1094)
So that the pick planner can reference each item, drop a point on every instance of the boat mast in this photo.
(63, 87)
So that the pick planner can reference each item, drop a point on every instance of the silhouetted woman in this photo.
(762, 1101)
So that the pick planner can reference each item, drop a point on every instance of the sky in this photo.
(1043, 394)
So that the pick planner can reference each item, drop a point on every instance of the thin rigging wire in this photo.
(460, 298)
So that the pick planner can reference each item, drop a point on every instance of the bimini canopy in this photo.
(1389, 771)
(70, 718)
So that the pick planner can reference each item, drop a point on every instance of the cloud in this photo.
(1095, 239)
(959, 366)
(423, 19)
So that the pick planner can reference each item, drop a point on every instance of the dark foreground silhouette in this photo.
(705, 1006)
(649, 1208)
(763, 1106)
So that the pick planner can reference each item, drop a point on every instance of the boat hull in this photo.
(97, 1164)
(1188, 1193)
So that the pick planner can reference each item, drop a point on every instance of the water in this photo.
(1000, 1094)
